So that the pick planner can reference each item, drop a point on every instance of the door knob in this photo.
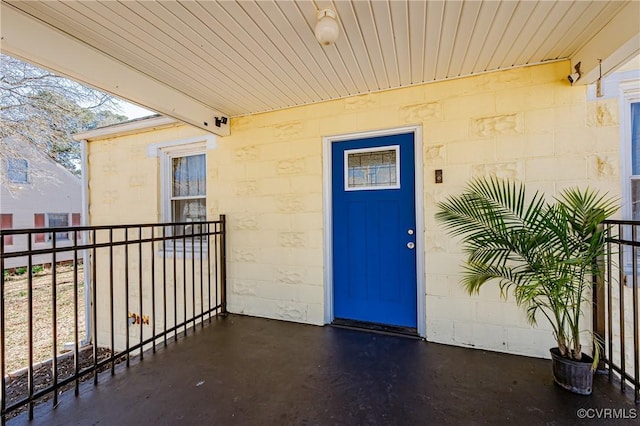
(410, 246)
(410, 231)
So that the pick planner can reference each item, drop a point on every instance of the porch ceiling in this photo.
(245, 57)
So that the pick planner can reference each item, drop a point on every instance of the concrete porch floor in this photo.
(252, 371)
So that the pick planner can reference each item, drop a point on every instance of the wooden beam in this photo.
(615, 44)
(32, 40)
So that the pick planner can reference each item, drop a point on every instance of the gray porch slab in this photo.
(252, 371)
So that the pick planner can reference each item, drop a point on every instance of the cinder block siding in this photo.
(528, 124)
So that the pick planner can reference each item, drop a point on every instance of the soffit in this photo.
(245, 57)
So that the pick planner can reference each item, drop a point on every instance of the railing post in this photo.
(599, 317)
(223, 264)
(3, 393)
(94, 304)
(636, 326)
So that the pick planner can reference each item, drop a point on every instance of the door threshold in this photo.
(376, 328)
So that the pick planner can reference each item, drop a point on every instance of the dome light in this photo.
(327, 29)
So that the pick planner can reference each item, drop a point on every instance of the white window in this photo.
(17, 170)
(630, 139)
(188, 190)
(629, 90)
(184, 189)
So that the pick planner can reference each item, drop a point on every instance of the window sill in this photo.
(189, 251)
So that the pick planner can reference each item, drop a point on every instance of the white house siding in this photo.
(51, 189)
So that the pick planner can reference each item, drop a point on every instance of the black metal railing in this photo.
(615, 308)
(143, 284)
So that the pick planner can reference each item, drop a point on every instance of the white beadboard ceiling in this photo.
(245, 57)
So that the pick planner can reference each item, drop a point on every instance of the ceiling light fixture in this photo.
(327, 29)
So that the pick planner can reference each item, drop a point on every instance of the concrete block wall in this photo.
(124, 189)
(528, 124)
(190, 275)
(123, 180)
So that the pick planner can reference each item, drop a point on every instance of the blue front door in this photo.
(374, 222)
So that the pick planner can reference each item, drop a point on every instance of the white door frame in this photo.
(327, 180)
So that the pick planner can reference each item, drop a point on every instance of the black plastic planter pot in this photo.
(575, 376)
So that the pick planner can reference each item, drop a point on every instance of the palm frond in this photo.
(541, 253)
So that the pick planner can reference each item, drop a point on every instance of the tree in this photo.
(44, 110)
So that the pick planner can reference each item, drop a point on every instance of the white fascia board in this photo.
(615, 44)
(34, 41)
(127, 128)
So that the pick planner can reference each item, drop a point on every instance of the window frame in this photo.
(167, 153)
(629, 94)
(347, 152)
(52, 235)
(10, 168)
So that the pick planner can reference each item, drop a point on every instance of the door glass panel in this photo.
(376, 168)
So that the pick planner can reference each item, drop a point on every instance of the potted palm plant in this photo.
(544, 253)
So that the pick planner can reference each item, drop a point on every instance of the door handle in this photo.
(411, 246)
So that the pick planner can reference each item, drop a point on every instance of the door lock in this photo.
(410, 231)
(410, 246)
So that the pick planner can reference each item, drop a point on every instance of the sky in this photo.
(133, 111)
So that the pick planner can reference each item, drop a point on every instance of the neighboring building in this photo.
(283, 178)
(36, 193)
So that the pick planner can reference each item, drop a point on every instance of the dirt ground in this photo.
(17, 384)
(17, 315)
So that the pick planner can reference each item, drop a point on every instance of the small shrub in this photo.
(37, 269)
(21, 270)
